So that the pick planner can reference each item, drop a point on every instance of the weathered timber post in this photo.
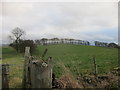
(44, 53)
(41, 74)
(5, 73)
(95, 66)
(0, 76)
(25, 72)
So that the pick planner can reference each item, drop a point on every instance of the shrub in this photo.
(113, 45)
(24, 43)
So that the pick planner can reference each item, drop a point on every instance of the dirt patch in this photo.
(66, 81)
(109, 80)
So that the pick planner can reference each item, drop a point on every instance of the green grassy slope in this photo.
(78, 58)
(15, 60)
(74, 59)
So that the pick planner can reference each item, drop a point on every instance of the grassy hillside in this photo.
(79, 59)
(15, 60)
(74, 59)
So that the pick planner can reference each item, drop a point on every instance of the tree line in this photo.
(103, 44)
(45, 41)
(19, 44)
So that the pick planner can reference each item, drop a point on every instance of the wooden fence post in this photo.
(41, 74)
(0, 76)
(25, 72)
(44, 53)
(5, 73)
(37, 73)
(95, 66)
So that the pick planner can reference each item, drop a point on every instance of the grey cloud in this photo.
(59, 19)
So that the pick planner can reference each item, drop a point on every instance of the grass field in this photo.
(74, 59)
(79, 59)
(10, 56)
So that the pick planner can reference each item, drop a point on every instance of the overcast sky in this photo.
(79, 20)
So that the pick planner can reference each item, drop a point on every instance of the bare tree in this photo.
(17, 33)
